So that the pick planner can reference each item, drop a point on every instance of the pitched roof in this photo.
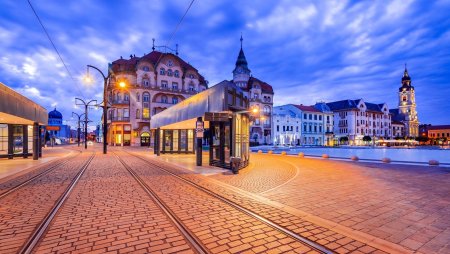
(396, 115)
(266, 88)
(306, 108)
(438, 127)
(374, 107)
(153, 57)
(343, 105)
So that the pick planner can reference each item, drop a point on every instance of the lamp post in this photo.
(78, 129)
(86, 105)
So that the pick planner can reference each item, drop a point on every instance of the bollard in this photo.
(259, 151)
(433, 163)
(386, 160)
(325, 156)
(354, 158)
(283, 153)
(270, 152)
(301, 154)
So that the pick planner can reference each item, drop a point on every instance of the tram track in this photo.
(40, 230)
(21, 184)
(313, 245)
(188, 235)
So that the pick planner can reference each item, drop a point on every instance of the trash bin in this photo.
(235, 162)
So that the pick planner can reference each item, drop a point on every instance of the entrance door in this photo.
(220, 144)
(145, 139)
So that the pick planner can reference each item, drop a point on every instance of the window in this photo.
(145, 113)
(164, 84)
(138, 97)
(162, 71)
(315, 117)
(310, 117)
(170, 63)
(126, 113)
(305, 116)
(278, 128)
(404, 98)
(256, 96)
(191, 87)
(164, 99)
(284, 128)
(126, 97)
(146, 82)
(304, 127)
(320, 117)
(191, 76)
(266, 109)
(174, 100)
(138, 113)
(169, 72)
(176, 73)
(174, 86)
(145, 68)
(146, 97)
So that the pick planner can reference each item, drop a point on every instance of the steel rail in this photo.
(189, 236)
(20, 185)
(311, 244)
(45, 223)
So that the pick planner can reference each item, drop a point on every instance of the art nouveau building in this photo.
(154, 82)
(260, 94)
(286, 125)
(406, 112)
(355, 119)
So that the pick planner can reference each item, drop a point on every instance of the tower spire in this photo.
(241, 40)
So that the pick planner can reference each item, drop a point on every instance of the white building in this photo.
(301, 125)
(354, 119)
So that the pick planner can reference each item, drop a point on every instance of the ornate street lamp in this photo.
(78, 129)
(86, 105)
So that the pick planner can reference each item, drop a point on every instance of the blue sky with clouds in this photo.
(307, 50)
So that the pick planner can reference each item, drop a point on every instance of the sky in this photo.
(309, 51)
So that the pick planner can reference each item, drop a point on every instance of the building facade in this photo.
(302, 125)
(406, 112)
(398, 129)
(153, 83)
(57, 132)
(438, 134)
(354, 119)
(260, 95)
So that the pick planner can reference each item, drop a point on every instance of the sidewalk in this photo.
(18, 165)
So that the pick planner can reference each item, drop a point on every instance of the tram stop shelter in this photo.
(21, 122)
(219, 116)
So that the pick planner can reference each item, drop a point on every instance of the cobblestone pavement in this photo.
(220, 227)
(22, 210)
(404, 205)
(109, 212)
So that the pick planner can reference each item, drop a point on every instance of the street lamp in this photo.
(78, 129)
(105, 101)
(86, 105)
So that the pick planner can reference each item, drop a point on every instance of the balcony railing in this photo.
(120, 119)
(120, 102)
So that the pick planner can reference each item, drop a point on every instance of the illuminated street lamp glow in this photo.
(122, 84)
(255, 110)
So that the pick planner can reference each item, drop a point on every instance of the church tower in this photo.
(407, 105)
(241, 73)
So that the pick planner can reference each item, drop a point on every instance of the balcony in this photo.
(120, 102)
(120, 119)
(267, 126)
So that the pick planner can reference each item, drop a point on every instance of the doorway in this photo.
(145, 139)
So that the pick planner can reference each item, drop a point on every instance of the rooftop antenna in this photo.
(176, 50)
(241, 40)
(153, 48)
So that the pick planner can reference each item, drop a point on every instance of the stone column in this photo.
(25, 140)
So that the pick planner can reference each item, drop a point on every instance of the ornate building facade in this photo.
(260, 95)
(154, 82)
(406, 112)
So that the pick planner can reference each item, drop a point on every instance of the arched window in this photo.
(174, 100)
(162, 71)
(126, 97)
(164, 99)
(266, 109)
(191, 87)
(138, 97)
(138, 113)
(146, 82)
(145, 68)
(146, 97)
(404, 98)
(176, 73)
(169, 72)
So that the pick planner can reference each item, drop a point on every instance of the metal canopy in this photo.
(213, 99)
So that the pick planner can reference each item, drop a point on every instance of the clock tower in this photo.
(241, 73)
(407, 106)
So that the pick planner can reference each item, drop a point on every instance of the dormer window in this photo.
(164, 84)
(169, 72)
(145, 68)
(191, 76)
(170, 63)
(176, 74)
(162, 71)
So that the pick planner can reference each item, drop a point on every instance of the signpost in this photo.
(199, 130)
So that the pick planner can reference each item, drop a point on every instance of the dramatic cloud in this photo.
(307, 50)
